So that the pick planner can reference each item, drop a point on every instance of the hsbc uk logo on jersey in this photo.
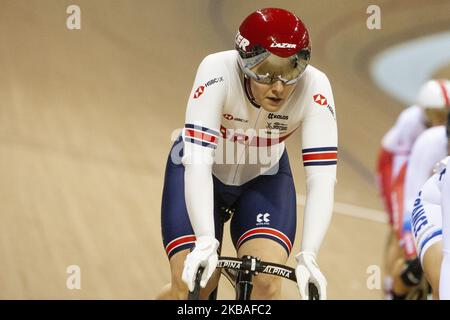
(322, 101)
(231, 117)
(203, 87)
(199, 92)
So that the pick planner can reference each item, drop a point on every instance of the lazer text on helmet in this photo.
(242, 42)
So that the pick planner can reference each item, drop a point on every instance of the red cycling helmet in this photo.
(277, 37)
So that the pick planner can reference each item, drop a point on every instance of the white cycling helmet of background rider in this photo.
(434, 94)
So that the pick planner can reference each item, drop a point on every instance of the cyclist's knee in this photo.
(411, 274)
(398, 287)
(210, 286)
(266, 287)
(178, 288)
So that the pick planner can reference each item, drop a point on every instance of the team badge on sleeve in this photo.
(200, 135)
(324, 156)
(199, 92)
(203, 87)
(320, 99)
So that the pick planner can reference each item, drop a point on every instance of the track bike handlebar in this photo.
(255, 266)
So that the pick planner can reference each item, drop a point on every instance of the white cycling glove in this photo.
(205, 255)
(308, 271)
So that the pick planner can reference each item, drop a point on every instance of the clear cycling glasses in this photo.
(271, 68)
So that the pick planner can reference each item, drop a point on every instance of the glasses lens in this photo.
(274, 68)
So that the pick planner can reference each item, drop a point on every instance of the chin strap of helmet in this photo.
(248, 92)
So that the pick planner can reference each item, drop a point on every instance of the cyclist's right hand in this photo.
(205, 255)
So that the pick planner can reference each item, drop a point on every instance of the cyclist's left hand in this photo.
(308, 271)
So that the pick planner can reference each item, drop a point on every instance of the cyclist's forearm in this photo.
(200, 198)
(318, 210)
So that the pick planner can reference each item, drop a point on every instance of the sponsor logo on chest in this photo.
(280, 126)
(233, 118)
(277, 116)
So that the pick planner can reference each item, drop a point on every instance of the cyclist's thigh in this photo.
(393, 252)
(177, 232)
(397, 201)
(431, 264)
(384, 175)
(267, 210)
(265, 249)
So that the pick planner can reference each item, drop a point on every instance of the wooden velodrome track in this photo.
(86, 118)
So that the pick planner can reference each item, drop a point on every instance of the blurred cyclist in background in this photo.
(430, 110)
(431, 146)
(231, 157)
(430, 224)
